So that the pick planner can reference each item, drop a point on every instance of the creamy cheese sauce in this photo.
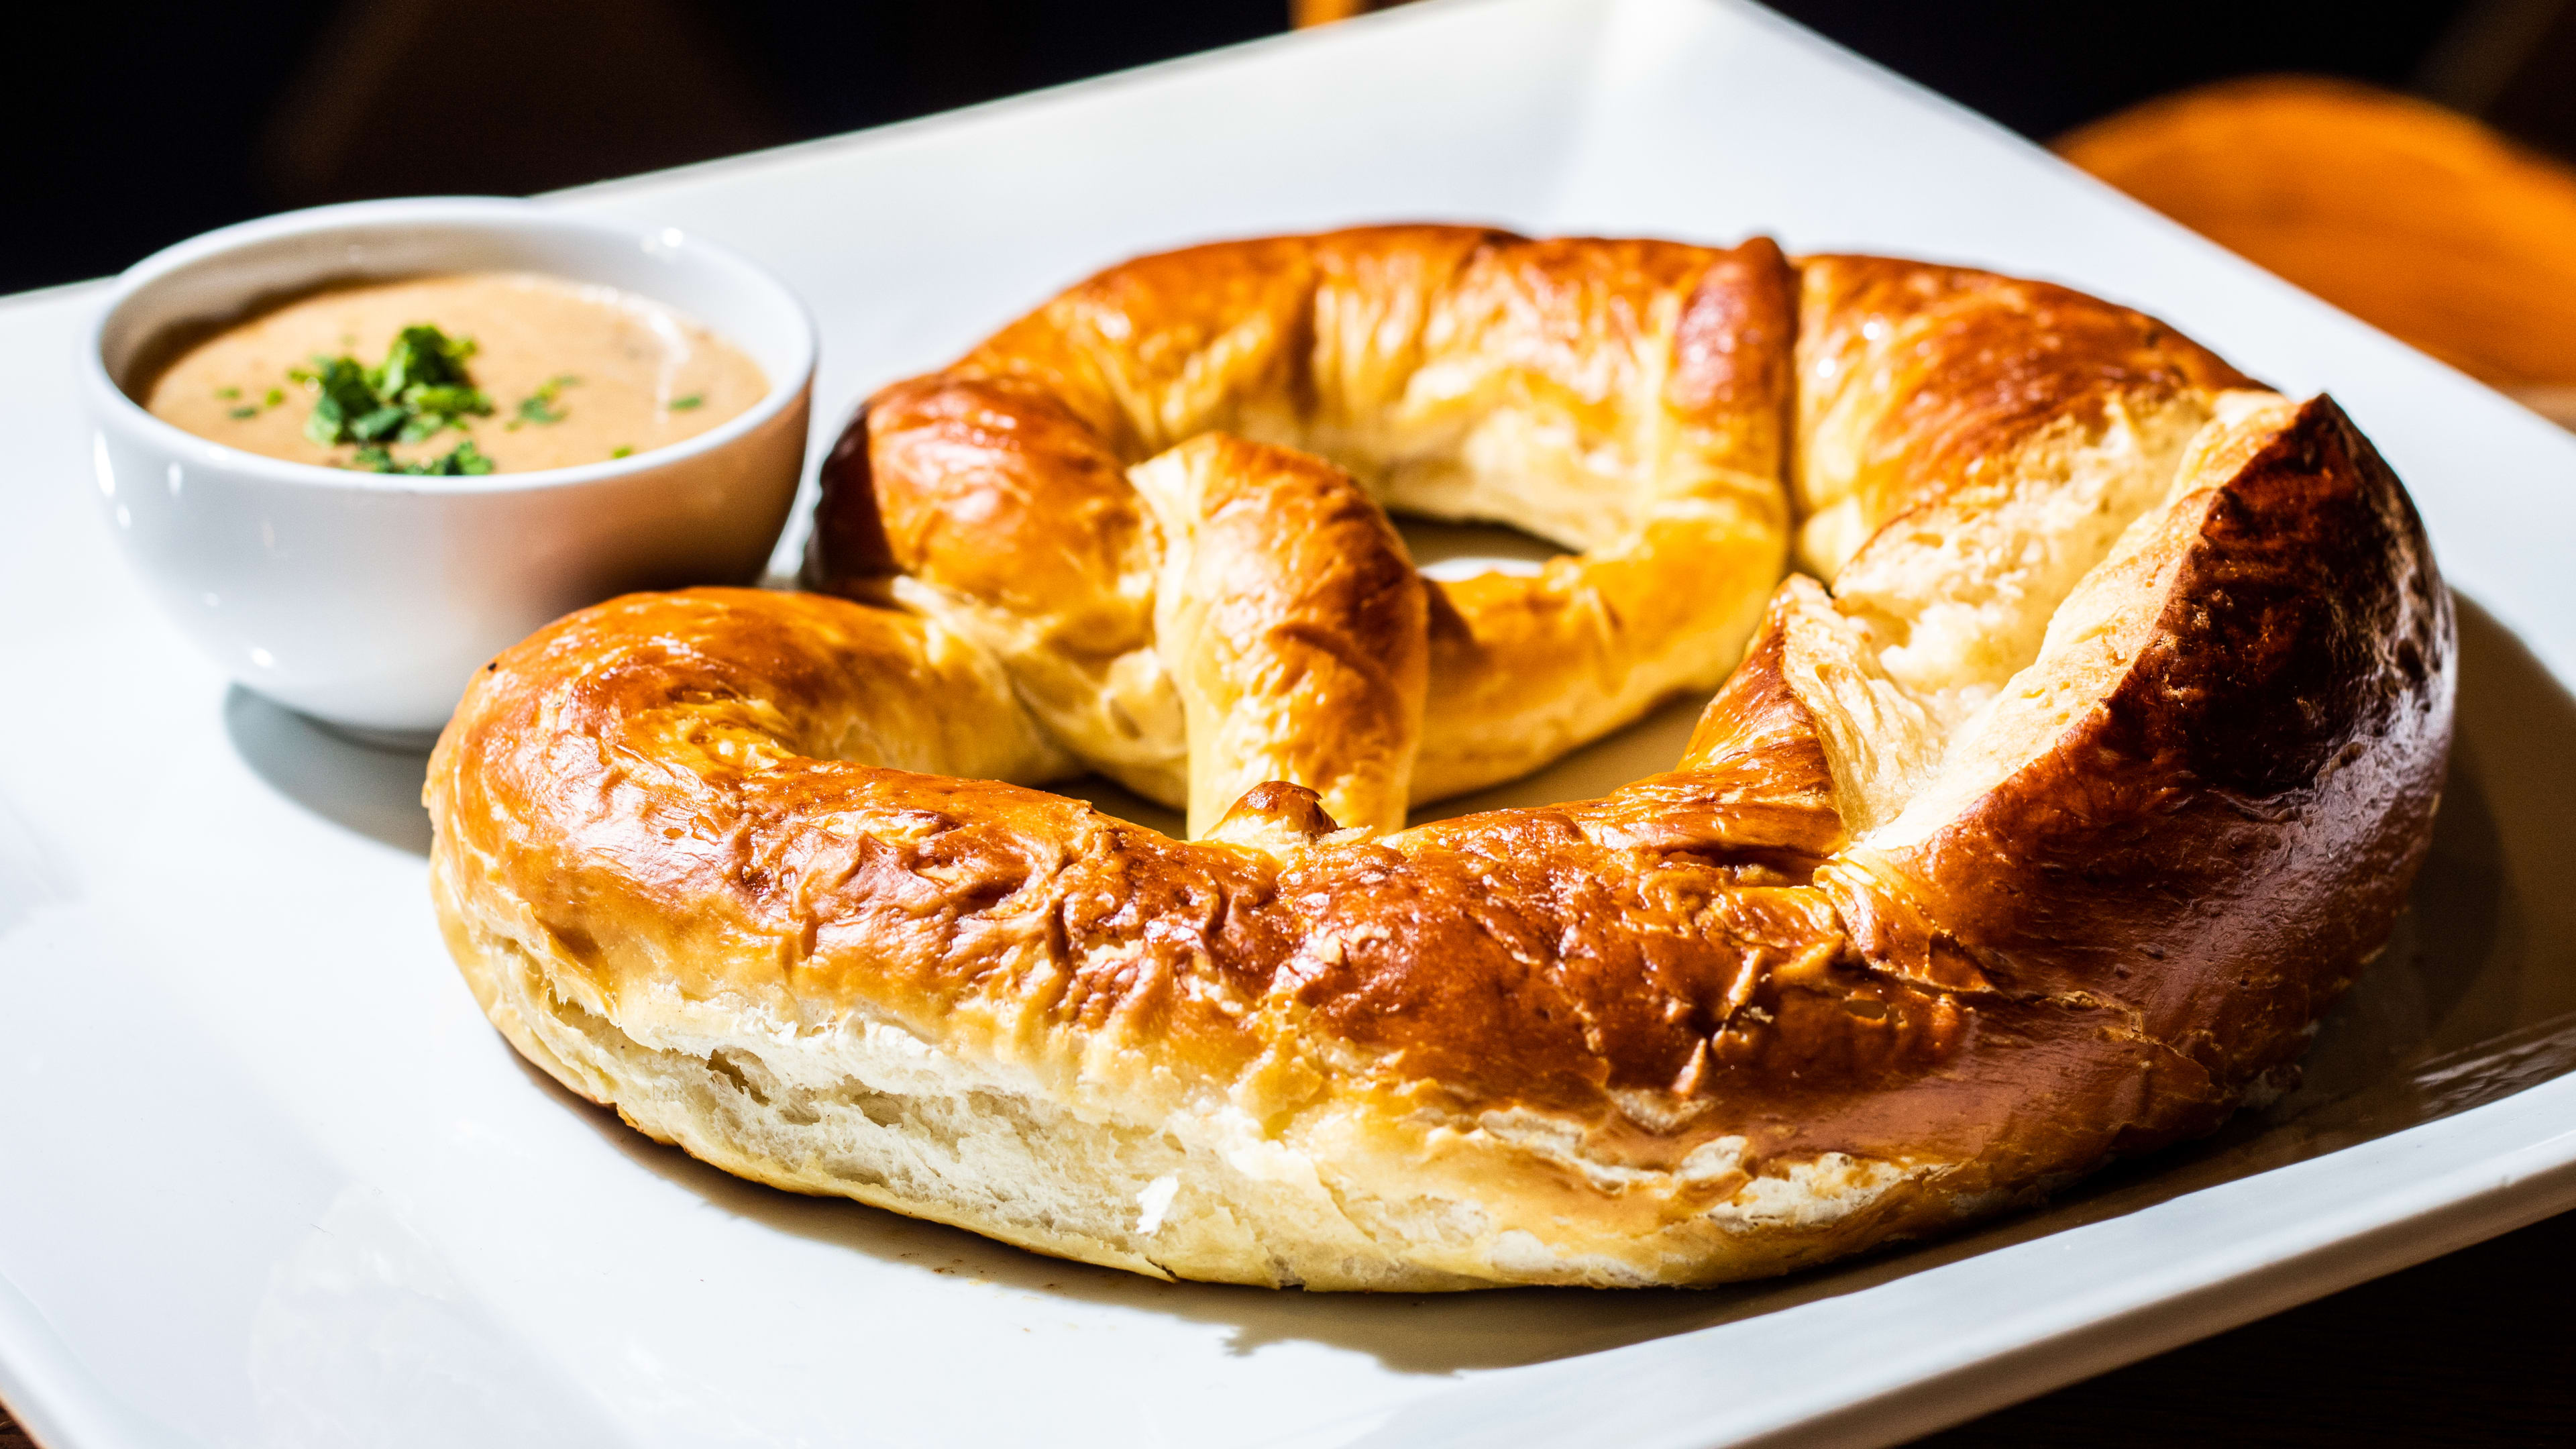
(626, 373)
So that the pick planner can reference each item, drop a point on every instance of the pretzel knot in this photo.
(2084, 758)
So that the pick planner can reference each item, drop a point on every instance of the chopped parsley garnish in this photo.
(622, 450)
(420, 390)
(539, 406)
(247, 410)
(462, 461)
(426, 357)
(683, 404)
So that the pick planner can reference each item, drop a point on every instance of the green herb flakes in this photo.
(445, 397)
(462, 461)
(683, 404)
(419, 391)
(344, 398)
(275, 397)
(424, 356)
(621, 451)
(382, 422)
(539, 406)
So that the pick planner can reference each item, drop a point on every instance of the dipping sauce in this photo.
(570, 374)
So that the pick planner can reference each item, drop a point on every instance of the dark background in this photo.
(128, 130)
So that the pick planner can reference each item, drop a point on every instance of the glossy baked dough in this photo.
(1628, 400)
(2087, 757)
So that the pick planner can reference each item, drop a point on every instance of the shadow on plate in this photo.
(2474, 999)
(371, 789)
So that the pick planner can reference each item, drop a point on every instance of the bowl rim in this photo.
(492, 213)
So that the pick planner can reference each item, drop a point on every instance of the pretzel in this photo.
(1626, 400)
(2086, 759)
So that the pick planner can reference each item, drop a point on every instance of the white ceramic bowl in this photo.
(366, 600)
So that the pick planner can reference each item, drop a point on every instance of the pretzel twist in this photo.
(2089, 756)
(1626, 400)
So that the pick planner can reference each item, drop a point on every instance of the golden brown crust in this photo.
(2278, 739)
(1913, 379)
(1293, 627)
(709, 855)
(1626, 398)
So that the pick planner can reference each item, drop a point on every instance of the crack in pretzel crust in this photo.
(2085, 761)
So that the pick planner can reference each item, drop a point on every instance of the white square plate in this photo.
(266, 1178)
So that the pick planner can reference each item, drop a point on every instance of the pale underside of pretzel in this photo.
(2044, 814)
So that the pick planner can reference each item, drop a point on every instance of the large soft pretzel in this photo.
(2045, 829)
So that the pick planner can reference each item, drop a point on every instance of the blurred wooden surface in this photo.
(2421, 222)
(1302, 13)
